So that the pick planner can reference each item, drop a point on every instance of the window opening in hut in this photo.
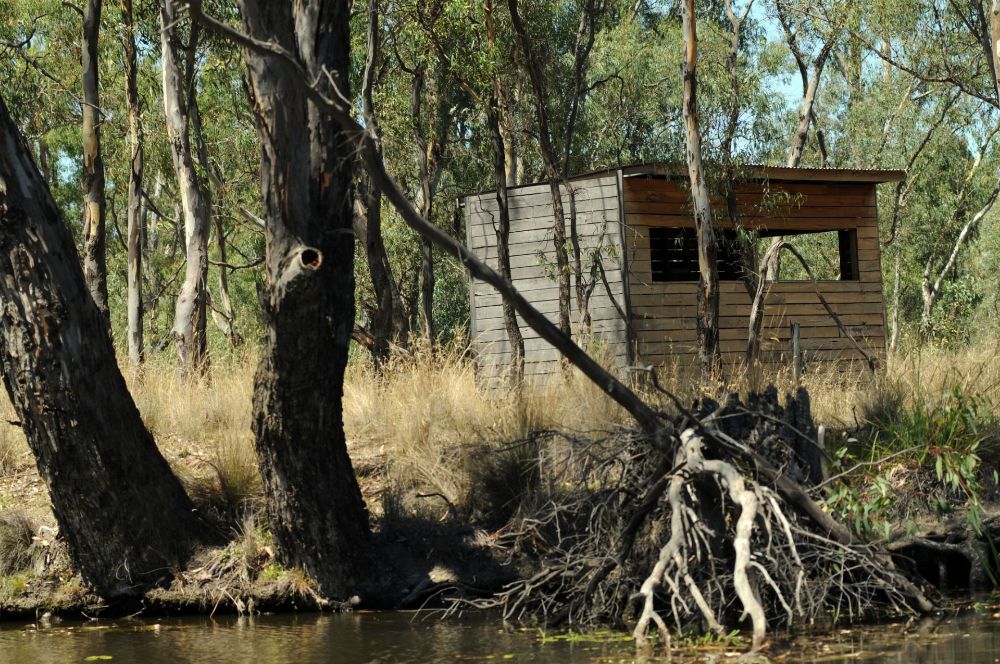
(831, 255)
(674, 254)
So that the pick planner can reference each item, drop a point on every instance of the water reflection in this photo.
(409, 637)
(360, 637)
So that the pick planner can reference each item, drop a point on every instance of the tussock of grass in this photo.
(13, 447)
(16, 543)
(227, 483)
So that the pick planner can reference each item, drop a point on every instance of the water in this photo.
(409, 637)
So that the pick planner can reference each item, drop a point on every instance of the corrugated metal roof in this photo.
(744, 171)
(781, 173)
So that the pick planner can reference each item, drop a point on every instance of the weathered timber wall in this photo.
(533, 267)
(663, 313)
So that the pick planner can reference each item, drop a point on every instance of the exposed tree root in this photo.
(712, 536)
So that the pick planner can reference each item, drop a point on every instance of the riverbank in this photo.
(434, 454)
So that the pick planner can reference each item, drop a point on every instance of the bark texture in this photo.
(94, 237)
(124, 515)
(318, 516)
(429, 150)
(134, 242)
(708, 273)
(389, 323)
(178, 99)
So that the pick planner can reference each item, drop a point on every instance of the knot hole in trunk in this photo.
(310, 258)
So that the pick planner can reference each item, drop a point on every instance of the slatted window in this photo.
(674, 254)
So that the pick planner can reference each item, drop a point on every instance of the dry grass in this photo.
(434, 423)
(13, 447)
(427, 425)
(17, 531)
(195, 410)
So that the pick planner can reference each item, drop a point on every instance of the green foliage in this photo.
(942, 438)
(871, 115)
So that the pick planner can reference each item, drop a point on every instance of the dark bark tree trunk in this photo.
(514, 336)
(552, 173)
(94, 237)
(124, 515)
(429, 150)
(708, 273)
(499, 122)
(390, 324)
(190, 319)
(746, 246)
(135, 340)
(994, 42)
(315, 507)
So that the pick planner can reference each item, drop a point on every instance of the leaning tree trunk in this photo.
(94, 237)
(317, 514)
(800, 137)
(125, 517)
(190, 313)
(708, 273)
(135, 341)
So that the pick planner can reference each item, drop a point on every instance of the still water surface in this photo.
(408, 637)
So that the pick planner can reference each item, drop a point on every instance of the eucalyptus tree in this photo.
(180, 100)
(315, 508)
(95, 268)
(472, 60)
(531, 49)
(125, 516)
(947, 51)
(709, 354)
(134, 206)
(388, 322)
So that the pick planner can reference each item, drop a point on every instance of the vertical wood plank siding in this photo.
(532, 256)
(662, 314)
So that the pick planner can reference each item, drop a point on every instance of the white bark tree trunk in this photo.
(189, 329)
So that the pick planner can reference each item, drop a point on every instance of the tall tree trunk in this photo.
(747, 247)
(499, 123)
(224, 314)
(390, 324)
(135, 340)
(425, 168)
(178, 97)
(429, 151)
(500, 172)
(708, 273)
(810, 89)
(94, 237)
(427, 288)
(315, 507)
(552, 173)
(124, 515)
(994, 41)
